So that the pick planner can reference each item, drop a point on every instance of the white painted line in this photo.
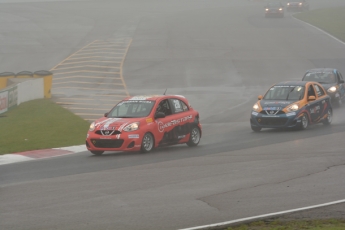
(13, 158)
(337, 39)
(263, 216)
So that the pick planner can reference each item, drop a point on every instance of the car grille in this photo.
(274, 121)
(272, 112)
(101, 143)
(107, 132)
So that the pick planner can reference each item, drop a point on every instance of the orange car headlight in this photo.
(92, 126)
(256, 107)
(293, 107)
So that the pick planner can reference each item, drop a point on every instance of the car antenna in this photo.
(165, 91)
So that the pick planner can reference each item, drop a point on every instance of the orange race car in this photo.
(142, 123)
(292, 104)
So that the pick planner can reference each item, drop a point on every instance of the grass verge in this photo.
(331, 20)
(40, 124)
(329, 224)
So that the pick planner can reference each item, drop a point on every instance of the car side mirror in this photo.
(341, 81)
(311, 98)
(106, 114)
(260, 97)
(159, 115)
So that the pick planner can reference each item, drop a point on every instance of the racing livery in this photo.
(331, 80)
(141, 123)
(292, 104)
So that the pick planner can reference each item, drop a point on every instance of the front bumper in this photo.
(288, 120)
(130, 141)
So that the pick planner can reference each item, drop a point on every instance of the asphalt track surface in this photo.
(221, 55)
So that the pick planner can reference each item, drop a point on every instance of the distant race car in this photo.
(275, 9)
(292, 104)
(331, 80)
(141, 123)
(297, 5)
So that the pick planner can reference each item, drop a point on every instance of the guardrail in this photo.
(23, 86)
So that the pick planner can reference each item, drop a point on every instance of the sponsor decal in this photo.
(162, 126)
(255, 113)
(149, 120)
(181, 137)
(144, 97)
(277, 102)
(316, 109)
(272, 108)
(137, 146)
(270, 115)
(133, 136)
(290, 114)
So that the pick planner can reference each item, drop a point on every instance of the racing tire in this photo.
(194, 137)
(97, 153)
(256, 129)
(304, 122)
(148, 143)
(329, 118)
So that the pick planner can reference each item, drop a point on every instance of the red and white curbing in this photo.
(40, 154)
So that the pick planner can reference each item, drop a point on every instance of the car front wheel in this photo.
(148, 143)
(194, 137)
(304, 122)
(329, 118)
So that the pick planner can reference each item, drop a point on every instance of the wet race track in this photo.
(219, 54)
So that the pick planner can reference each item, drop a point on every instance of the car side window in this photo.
(164, 107)
(179, 106)
(311, 91)
(319, 91)
(340, 77)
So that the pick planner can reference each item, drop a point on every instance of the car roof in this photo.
(320, 70)
(152, 97)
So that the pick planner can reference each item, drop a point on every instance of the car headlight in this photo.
(92, 126)
(280, 9)
(266, 9)
(132, 127)
(288, 4)
(332, 89)
(293, 107)
(256, 107)
(300, 3)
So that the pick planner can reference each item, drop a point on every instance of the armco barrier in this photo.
(20, 91)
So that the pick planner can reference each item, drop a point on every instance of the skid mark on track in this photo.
(89, 82)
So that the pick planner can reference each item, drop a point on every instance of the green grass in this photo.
(329, 224)
(331, 20)
(40, 124)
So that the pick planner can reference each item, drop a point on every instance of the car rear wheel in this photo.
(256, 129)
(304, 122)
(194, 137)
(148, 143)
(329, 118)
(97, 153)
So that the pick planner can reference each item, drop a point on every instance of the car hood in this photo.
(327, 85)
(114, 123)
(274, 104)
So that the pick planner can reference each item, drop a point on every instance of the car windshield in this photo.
(132, 108)
(273, 4)
(282, 93)
(321, 77)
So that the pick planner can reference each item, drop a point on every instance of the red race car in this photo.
(141, 123)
